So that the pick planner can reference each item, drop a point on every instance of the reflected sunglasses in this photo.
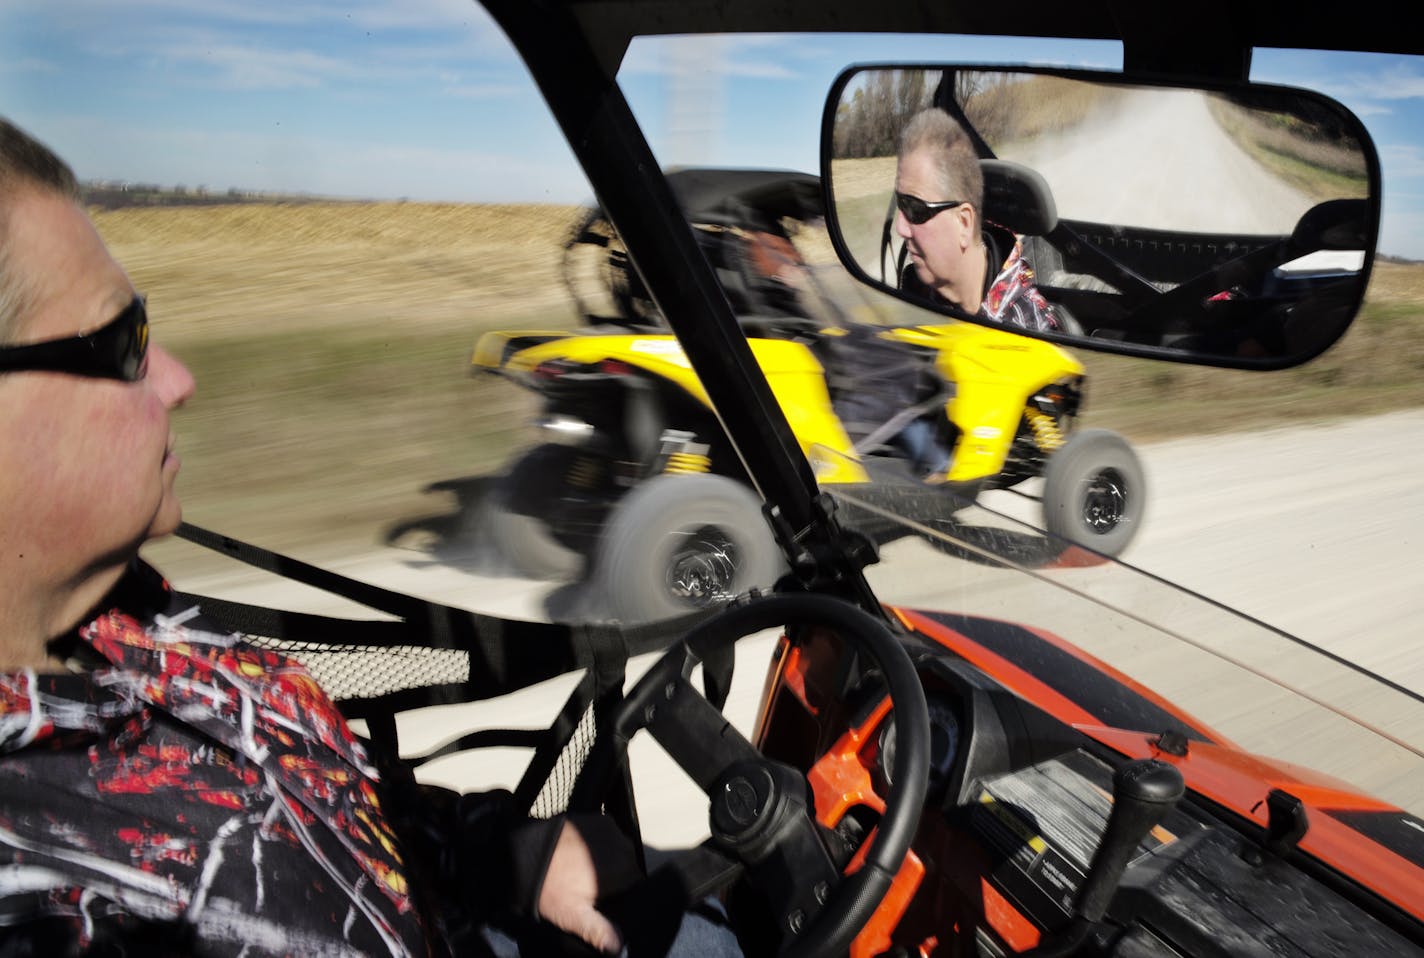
(116, 350)
(920, 211)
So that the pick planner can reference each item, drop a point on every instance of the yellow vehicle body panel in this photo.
(796, 378)
(494, 348)
(995, 372)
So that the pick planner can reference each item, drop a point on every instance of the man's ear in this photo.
(968, 220)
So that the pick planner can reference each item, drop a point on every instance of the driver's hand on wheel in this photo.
(592, 859)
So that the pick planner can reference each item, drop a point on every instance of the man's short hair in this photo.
(936, 132)
(25, 164)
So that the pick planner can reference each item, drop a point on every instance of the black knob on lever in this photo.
(1144, 792)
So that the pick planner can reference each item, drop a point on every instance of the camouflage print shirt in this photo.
(190, 795)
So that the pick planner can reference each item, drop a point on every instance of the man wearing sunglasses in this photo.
(88, 457)
(955, 255)
(166, 789)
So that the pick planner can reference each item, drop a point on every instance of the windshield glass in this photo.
(1248, 683)
(1295, 578)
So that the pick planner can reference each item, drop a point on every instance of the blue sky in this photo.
(426, 100)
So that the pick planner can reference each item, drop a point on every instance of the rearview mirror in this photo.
(1229, 225)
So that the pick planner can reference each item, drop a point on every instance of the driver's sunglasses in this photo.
(920, 211)
(116, 350)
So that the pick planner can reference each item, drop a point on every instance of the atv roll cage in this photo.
(730, 210)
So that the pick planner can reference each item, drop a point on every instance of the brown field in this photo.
(214, 270)
(331, 345)
(873, 176)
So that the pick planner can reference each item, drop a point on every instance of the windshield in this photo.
(1263, 689)
(362, 246)
(1288, 629)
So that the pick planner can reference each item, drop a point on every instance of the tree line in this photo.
(868, 123)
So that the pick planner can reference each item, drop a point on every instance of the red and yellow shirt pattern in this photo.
(1013, 297)
(198, 791)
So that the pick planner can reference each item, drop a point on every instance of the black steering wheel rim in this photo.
(855, 897)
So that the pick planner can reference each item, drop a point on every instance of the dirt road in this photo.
(1160, 159)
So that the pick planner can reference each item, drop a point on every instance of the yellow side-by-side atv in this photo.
(634, 485)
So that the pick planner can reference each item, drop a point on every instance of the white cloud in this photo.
(225, 59)
(747, 57)
(81, 15)
(253, 68)
(320, 165)
(1388, 81)
(1399, 82)
(389, 31)
(1401, 160)
(1365, 108)
(485, 91)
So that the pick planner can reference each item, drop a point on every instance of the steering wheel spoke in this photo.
(694, 733)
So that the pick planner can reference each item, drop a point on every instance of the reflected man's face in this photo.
(937, 247)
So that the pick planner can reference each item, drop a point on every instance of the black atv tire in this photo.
(679, 543)
(514, 518)
(1094, 491)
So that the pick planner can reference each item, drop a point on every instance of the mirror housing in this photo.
(1216, 224)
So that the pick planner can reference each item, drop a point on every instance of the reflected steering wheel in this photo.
(762, 820)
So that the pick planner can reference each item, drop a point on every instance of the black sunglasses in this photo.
(920, 211)
(117, 350)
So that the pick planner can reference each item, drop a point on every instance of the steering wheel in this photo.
(763, 826)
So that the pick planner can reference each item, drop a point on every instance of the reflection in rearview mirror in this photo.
(1231, 226)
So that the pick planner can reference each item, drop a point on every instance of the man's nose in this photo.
(902, 225)
(171, 379)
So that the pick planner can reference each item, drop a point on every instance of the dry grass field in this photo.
(212, 271)
(331, 346)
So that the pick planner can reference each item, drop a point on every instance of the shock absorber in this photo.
(687, 462)
(1045, 429)
(683, 454)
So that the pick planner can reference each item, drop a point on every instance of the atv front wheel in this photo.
(1094, 492)
(679, 543)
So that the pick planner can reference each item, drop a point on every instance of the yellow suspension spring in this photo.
(686, 463)
(1045, 430)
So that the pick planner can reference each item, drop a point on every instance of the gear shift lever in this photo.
(1144, 792)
